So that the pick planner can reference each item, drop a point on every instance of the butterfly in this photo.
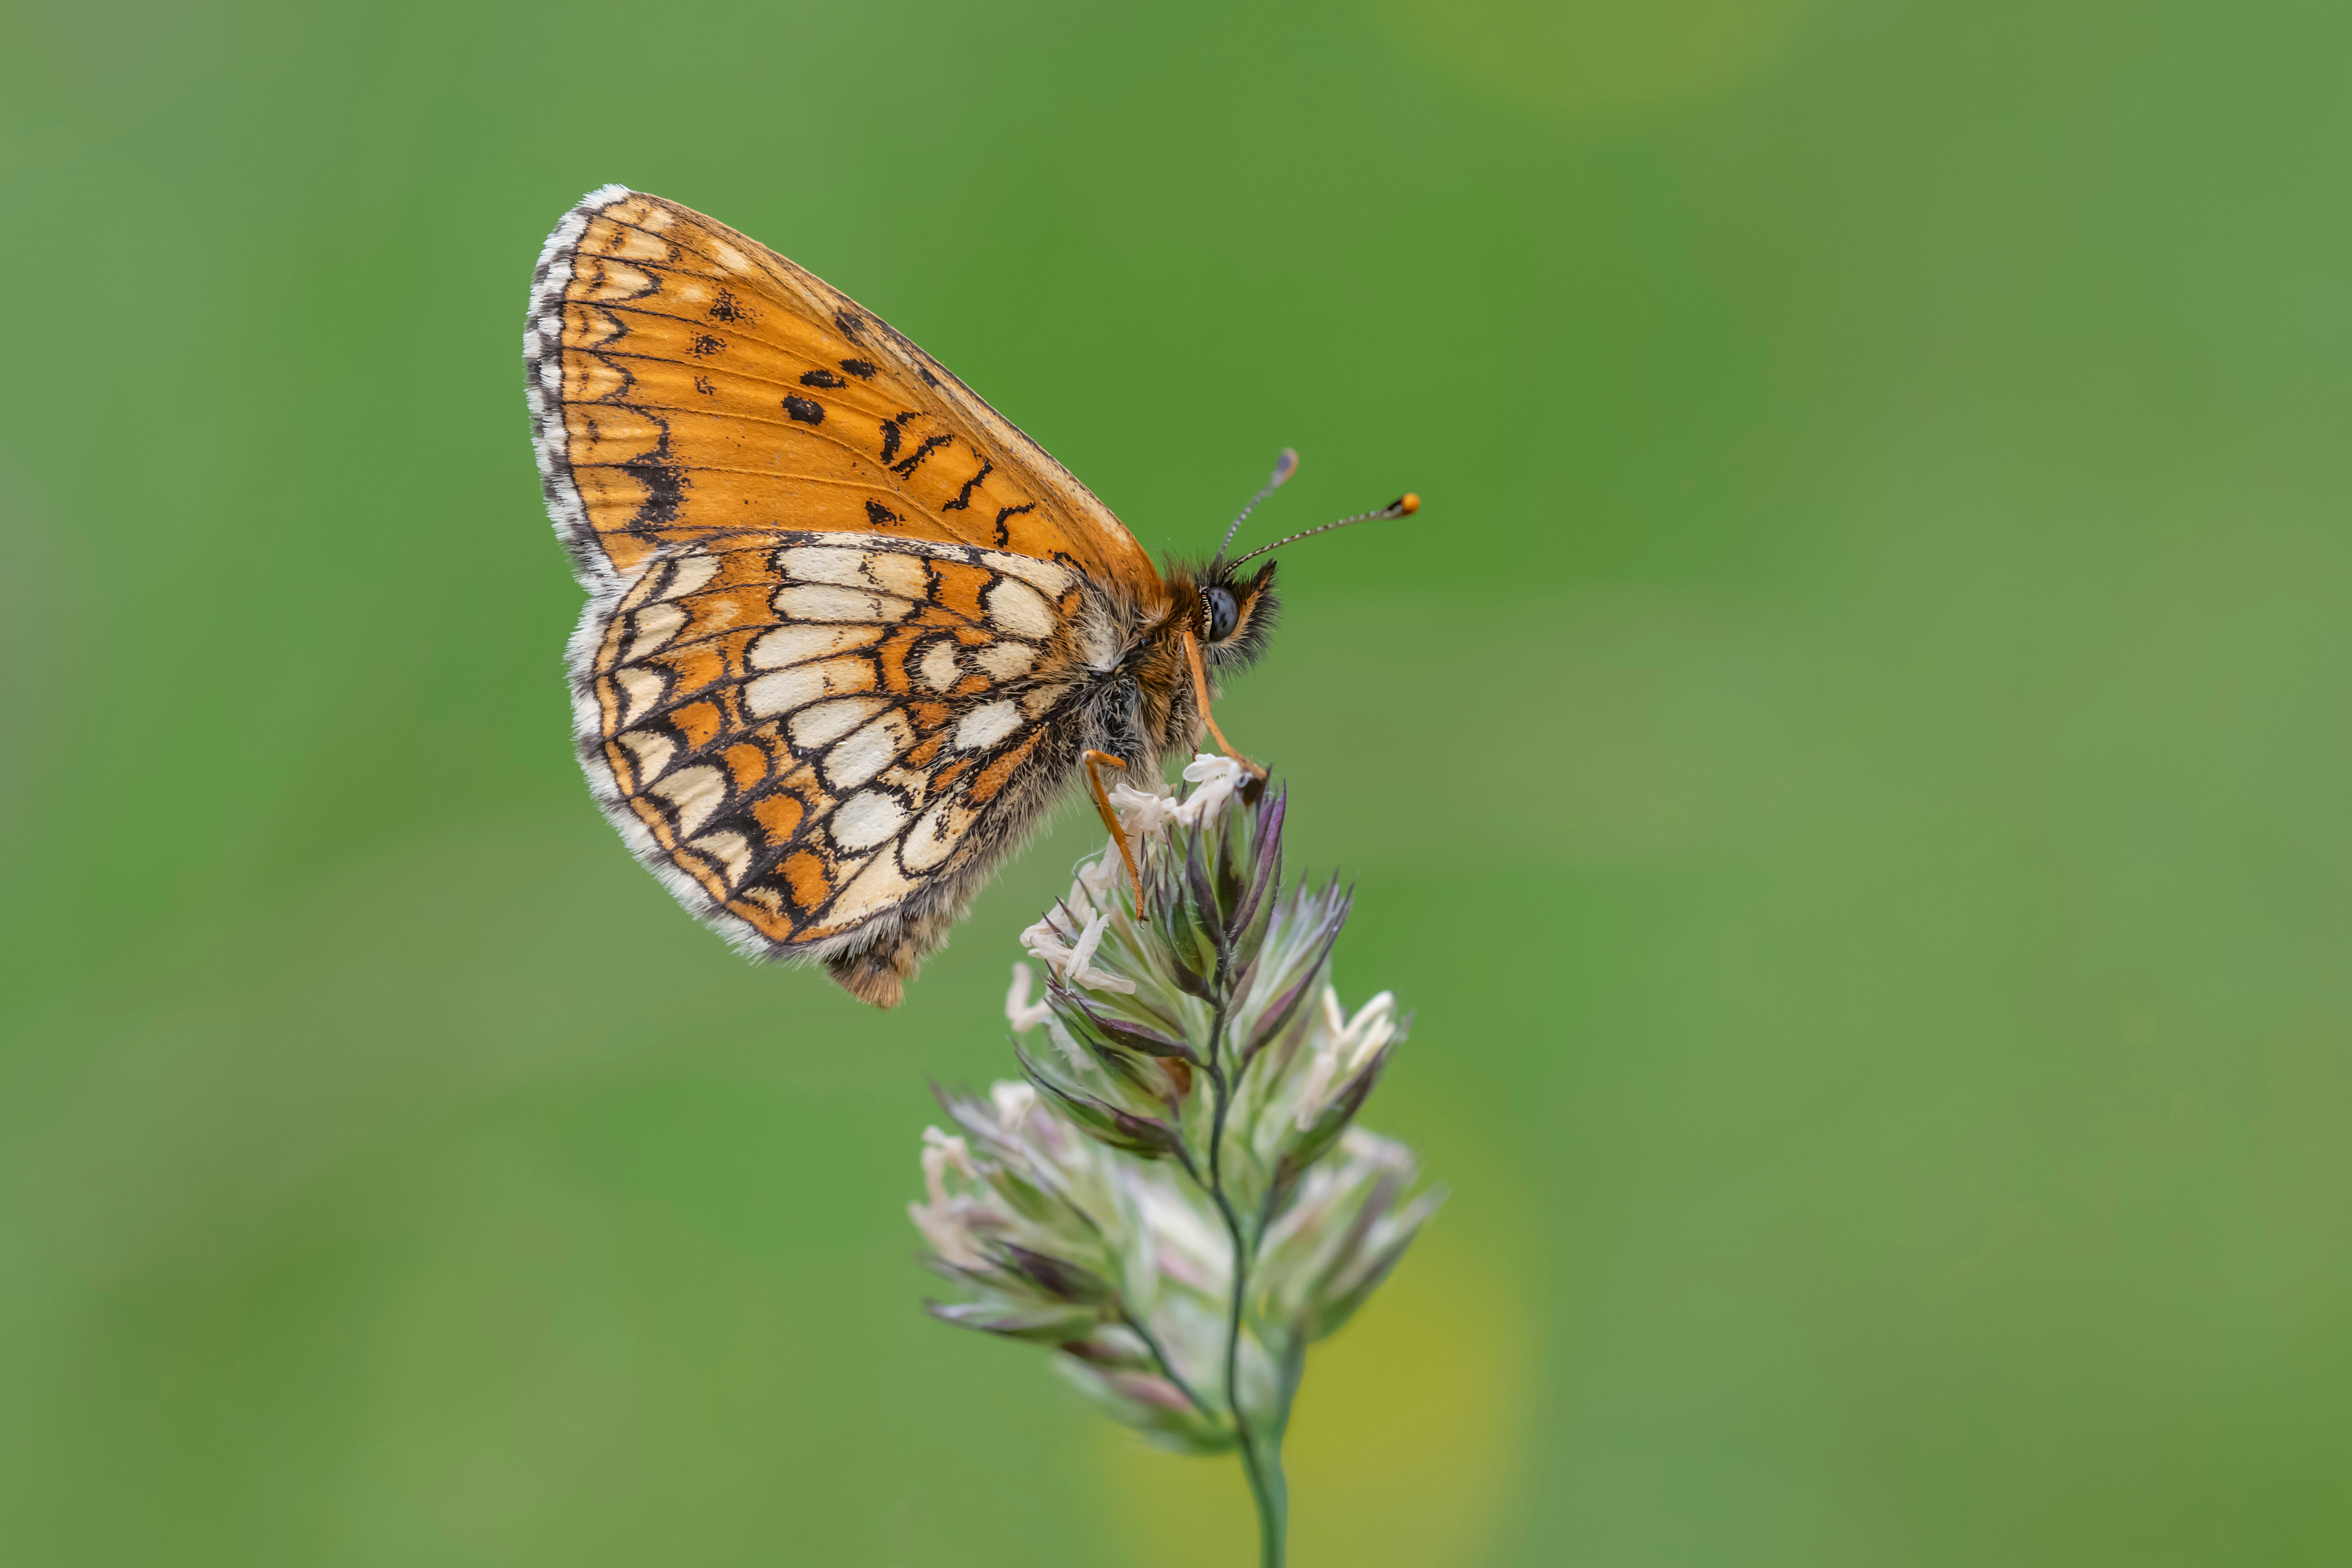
(849, 635)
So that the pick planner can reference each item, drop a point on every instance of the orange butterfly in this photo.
(849, 632)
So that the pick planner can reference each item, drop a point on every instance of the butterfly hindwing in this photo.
(800, 732)
(686, 380)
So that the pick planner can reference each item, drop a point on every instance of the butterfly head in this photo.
(1229, 612)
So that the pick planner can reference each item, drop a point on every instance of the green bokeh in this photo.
(1850, 767)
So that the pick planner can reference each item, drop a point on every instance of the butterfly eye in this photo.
(1217, 606)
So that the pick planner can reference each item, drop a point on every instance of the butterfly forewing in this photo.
(686, 380)
(805, 727)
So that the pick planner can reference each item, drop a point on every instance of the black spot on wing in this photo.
(705, 345)
(821, 378)
(858, 368)
(851, 324)
(1003, 537)
(665, 483)
(925, 372)
(963, 496)
(892, 429)
(907, 465)
(805, 410)
(726, 308)
(877, 514)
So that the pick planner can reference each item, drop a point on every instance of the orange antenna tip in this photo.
(1407, 503)
(1284, 467)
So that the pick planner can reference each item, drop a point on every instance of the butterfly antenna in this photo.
(1404, 505)
(1284, 467)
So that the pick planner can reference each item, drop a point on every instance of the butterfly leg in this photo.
(1110, 819)
(1201, 695)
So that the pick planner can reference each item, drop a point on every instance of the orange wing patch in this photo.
(686, 381)
(798, 731)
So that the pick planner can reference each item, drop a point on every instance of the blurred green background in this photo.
(1849, 766)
